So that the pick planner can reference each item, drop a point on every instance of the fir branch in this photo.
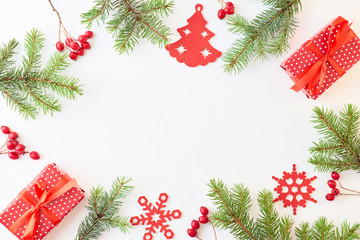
(267, 34)
(132, 20)
(103, 209)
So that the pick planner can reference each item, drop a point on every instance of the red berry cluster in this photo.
(334, 190)
(12, 147)
(76, 47)
(229, 9)
(195, 224)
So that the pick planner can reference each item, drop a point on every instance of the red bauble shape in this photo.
(221, 14)
(34, 155)
(75, 46)
(5, 129)
(59, 46)
(191, 232)
(195, 224)
(331, 183)
(335, 175)
(203, 219)
(13, 135)
(11, 144)
(73, 56)
(330, 197)
(85, 45)
(229, 5)
(68, 41)
(13, 155)
(20, 149)
(83, 38)
(89, 34)
(335, 191)
(229, 11)
(204, 211)
(80, 52)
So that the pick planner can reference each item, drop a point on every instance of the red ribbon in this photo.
(31, 217)
(316, 73)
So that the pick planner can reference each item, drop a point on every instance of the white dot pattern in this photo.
(346, 56)
(60, 206)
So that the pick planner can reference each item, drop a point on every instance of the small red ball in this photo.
(5, 129)
(75, 46)
(68, 41)
(335, 191)
(191, 232)
(80, 52)
(83, 38)
(204, 211)
(34, 155)
(13, 155)
(330, 197)
(230, 5)
(85, 45)
(20, 149)
(73, 56)
(11, 144)
(89, 34)
(203, 219)
(59, 46)
(229, 11)
(195, 224)
(13, 135)
(221, 14)
(331, 183)
(335, 175)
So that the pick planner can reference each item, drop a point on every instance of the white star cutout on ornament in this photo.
(156, 217)
(204, 34)
(187, 31)
(181, 49)
(205, 53)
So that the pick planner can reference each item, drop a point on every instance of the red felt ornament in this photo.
(193, 48)
(294, 189)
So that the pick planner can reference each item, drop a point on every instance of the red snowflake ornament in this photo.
(294, 189)
(156, 217)
(194, 48)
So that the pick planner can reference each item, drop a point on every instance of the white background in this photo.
(170, 127)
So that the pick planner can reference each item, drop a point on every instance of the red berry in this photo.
(13, 135)
(230, 5)
(80, 52)
(203, 219)
(74, 46)
(83, 38)
(13, 155)
(221, 14)
(5, 129)
(191, 232)
(331, 183)
(20, 149)
(68, 41)
(34, 155)
(335, 175)
(73, 55)
(11, 144)
(85, 45)
(59, 46)
(204, 211)
(335, 191)
(89, 34)
(330, 197)
(229, 11)
(195, 224)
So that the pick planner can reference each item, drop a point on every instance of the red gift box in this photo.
(323, 59)
(42, 204)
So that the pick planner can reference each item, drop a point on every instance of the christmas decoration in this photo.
(103, 208)
(267, 34)
(194, 48)
(291, 192)
(195, 225)
(227, 8)
(131, 20)
(335, 192)
(42, 204)
(156, 217)
(338, 150)
(71, 44)
(233, 207)
(323, 59)
(31, 89)
(13, 148)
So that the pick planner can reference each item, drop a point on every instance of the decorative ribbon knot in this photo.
(316, 73)
(31, 217)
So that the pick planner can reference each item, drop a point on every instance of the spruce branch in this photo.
(103, 209)
(29, 89)
(132, 20)
(267, 34)
(233, 206)
(339, 150)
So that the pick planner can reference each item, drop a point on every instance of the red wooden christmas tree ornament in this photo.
(193, 48)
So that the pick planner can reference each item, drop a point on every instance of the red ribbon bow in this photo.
(31, 217)
(316, 73)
